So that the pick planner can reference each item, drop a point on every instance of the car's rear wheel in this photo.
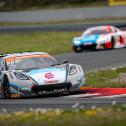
(6, 88)
(77, 48)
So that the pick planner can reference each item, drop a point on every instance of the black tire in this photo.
(94, 48)
(6, 88)
(77, 49)
(113, 42)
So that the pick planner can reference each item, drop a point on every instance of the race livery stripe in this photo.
(10, 59)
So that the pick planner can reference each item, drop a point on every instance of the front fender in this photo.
(77, 79)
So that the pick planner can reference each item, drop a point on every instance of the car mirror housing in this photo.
(65, 61)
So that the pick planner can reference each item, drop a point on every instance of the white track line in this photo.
(112, 96)
(96, 95)
(82, 95)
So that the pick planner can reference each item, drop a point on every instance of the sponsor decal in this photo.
(88, 43)
(15, 95)
(49, 75)
(51, 81)
(53, 91)
(18, 58)
(23, 88)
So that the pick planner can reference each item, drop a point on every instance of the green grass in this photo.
(51, 42)
(111, 116)
(106, 78)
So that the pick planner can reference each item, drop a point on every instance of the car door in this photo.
(120, 38)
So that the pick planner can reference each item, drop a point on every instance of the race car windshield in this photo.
(96, 32)
(33, 62)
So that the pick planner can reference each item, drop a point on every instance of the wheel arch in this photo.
(4, 75)
(4, 95)
(113, 41)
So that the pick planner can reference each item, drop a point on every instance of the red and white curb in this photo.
(100, 93)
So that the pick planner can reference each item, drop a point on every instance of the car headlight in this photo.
(21, 76)
(77, 42)
(72, 69)
(102, 40)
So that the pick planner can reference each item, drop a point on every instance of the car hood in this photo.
(49, 75)
(87, 39)
(90, 38)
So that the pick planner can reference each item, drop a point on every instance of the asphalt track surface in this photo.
(56, 27)
(90, 61)
(57, 102)
(94, 60)
(64, 14)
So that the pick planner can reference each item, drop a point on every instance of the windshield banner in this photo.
(117, 2)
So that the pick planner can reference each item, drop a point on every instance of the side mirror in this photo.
(65, 61)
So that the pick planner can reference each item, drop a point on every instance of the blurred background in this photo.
(6, 5)
(46, 10)
(9, 5)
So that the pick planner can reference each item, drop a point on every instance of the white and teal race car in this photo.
(36, 74)
(100, 37)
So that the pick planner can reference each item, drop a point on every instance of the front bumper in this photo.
(89, 46)
(51, 88)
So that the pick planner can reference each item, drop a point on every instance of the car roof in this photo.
(107, 28)
(20, 54)
(101, 27)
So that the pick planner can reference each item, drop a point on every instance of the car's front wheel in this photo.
(6, 88)
(77, 48)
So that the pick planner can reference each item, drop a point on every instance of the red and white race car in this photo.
(100, 37)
